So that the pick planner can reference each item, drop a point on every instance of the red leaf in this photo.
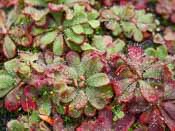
(104, 121)
(144, 117)
(29, 91)
(8, 3)
(123, 2)
(12, 102)
(169, 107)
(58, 124)
(117, 88)
(148, 92)
(108, 3)
(170, 122)
(86, 126)
(125, 123)
(156, 121)
(120, 69)
(28, 104)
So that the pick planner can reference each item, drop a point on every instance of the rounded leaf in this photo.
(78, 29)
(97, 80)
(80, 100)
(9, 47)
(48, 38)
(73, 58)
(15, 125)
(44, 108)
(138, 36)
(89, 110)
(71, 36)
(7, 82)
(161, 52)
(95, 98)
(34, 13)
(58, 45)
(94, 23)
(148, 91)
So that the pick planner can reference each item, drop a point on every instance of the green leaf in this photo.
(89, 110)
(91, 66)
(93, 15)
(128, 28)
(87, 46)
(15, 125)
(48, 38)
(80, 100)
(12, 17)
(117, 29)
(118, 113)
(34, 118)
(75, 113)
(69, 72)
(58, 45)
(73, 46)
(150, 52)
(142, 17)
(138, 36)
(155, 72)
(24, 70)
(11, 66)
(118, 10)
(78, 9)
(9, 47)
(7, 82)
(97, 80)
(87, 29)
(78, 29)
(161, 52)
(116, 47)
(95, 99)
(71, 36)
(45, 108)
(60, 109)
(98, 42)
(94, 23)
(66, 93)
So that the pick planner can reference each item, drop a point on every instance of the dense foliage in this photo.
(87, 65)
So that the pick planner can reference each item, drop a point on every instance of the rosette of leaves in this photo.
(145, 85)
(137, 76)
(15, 28)
(79, 23)
(82, 85)
(127, 20)
(9, 47)
(161, 113)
